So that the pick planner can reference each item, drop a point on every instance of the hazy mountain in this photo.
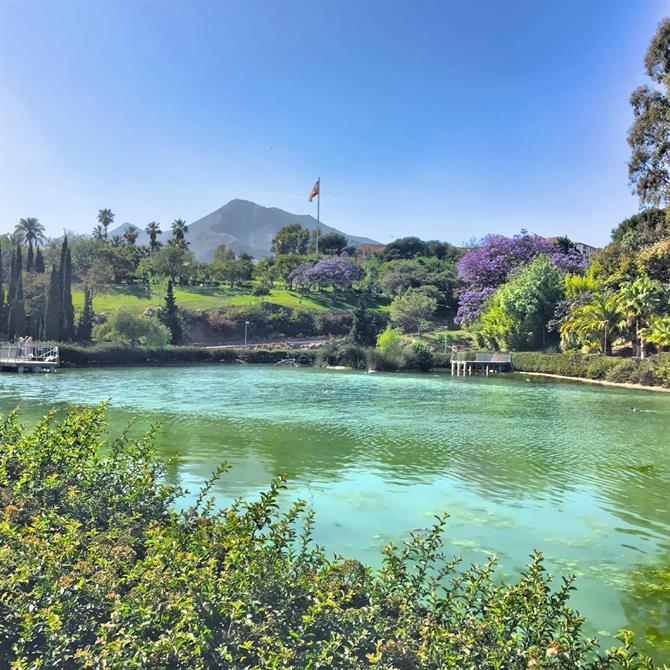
(242, 226)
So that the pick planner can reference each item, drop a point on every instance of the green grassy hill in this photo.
(138, 298)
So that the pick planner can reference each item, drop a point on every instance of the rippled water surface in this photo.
(581, 472)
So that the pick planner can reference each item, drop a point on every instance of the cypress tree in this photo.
(3, 321)
(86, 317)
(53, 312)
(39, 261)
(12, 279)
(2, 286)
(170, 315)
(362, 327)
(68, 307)
(18, 308)
(31, 257)
(17, 315)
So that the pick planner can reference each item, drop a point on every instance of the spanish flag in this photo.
(315, 189)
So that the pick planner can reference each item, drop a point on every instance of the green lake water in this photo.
(581, 472)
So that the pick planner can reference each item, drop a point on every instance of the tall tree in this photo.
(153, 230)
(105, 219)
(86, 317)
(39, 262)
(66, 300)
(179, 230)
(17, 315)
(3, 321)
(649, 136)
(169, 315)
(53, 313)
(31, 257)
(363, 330)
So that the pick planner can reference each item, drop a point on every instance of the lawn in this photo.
(436, 339)
(138, 298)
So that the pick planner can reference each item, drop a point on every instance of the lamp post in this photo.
(246, 330)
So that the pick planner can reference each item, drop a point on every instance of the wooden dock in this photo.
(33, 358)
(484, 362)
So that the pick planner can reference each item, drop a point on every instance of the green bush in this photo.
(124, 327)
(419, 357)
(99, 570)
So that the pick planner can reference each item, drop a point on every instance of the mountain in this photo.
(244, 227)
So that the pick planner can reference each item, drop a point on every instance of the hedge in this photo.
(98, 569)
(653, 371)
(112, 354)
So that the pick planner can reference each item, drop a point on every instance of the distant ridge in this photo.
(244, 227)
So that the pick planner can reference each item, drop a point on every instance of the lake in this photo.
(580, 472)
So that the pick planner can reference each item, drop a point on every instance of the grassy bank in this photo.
(111, 354)
(653, 371)
(138, 298)
(98, 569)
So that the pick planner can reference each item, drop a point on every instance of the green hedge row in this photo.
(98, 569)
(653, 371)
(112, 354)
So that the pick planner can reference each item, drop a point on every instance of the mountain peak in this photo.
(245, 227)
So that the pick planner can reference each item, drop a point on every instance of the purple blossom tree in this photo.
(485, 268)
(340, 272)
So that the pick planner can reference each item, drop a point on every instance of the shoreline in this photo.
(601, 382)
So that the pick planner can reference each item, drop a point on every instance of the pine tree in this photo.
(53, 312)
(31, 257)
(39, 261)
(86, 317)
(169, 315)
(68, 307)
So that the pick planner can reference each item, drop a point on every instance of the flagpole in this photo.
(318, 212)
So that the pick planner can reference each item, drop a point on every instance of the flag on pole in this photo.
(315, 190)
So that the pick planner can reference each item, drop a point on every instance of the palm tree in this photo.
(130, 234)
(105, 218)
(116, 241)
(31, 231)
(601, 319)
(153, 230)
(179, 230)
(98, 233)
(639, 299)
(658, 331)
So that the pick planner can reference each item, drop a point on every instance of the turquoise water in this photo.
(581, 472)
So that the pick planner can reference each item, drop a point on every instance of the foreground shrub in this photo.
(98, 570)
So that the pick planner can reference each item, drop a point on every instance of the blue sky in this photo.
(444, 120)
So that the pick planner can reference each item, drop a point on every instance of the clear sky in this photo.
(443, 120)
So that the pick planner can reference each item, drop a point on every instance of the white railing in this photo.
(482, 357)
(33, 353)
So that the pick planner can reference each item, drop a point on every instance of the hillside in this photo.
(243, 226)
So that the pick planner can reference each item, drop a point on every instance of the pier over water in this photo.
(38, 357)
(485, 362)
